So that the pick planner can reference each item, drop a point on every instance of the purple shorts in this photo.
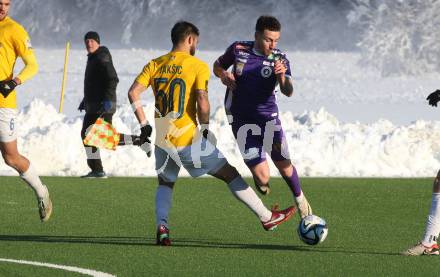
(255, 139)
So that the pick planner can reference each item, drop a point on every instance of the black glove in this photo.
(107, 105)
(433, 98)
(81, 106)
(145, 134)
(208, 135)
(7, 87)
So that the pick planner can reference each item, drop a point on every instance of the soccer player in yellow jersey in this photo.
(14, 42)
(180, 85)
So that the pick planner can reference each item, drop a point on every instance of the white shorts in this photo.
(198, 159)
(8, 118)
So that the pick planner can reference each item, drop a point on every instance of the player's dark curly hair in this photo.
(267, 22)
(181, 30)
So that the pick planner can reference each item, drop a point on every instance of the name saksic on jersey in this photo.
(170, 69)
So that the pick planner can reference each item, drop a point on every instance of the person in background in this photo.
(100, 82)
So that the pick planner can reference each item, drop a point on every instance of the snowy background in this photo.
(362, 71)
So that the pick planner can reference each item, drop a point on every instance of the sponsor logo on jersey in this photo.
(239, 68)
(266, 71)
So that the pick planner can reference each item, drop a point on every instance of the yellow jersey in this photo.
(174, 78)
(14, 42)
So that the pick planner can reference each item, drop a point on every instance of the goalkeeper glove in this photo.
(6, 87)
(433, 98)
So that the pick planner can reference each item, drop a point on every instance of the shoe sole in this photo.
(423, 254)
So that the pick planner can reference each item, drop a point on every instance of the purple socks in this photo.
(293, 182)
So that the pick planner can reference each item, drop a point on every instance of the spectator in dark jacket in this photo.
(99, 100)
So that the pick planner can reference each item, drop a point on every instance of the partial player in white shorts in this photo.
(198, 159)
(8, 131)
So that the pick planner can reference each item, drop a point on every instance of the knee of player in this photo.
(262, 178)
(227, 173)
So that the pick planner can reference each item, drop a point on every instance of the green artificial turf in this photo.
(109, 226)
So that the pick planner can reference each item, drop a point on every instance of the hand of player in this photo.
(433, 98)
(6, 87)
(280, 68)
(228, 80)
(107, 105)
(144, 139)
(145, 134)
(208, 135)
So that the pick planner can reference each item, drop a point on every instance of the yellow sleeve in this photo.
(202, 78)
(30, 68)
(144, 78)
(23, 48)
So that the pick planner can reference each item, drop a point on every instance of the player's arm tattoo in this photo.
(203, 107)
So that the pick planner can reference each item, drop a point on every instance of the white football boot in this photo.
(419, 249)
(45, 208)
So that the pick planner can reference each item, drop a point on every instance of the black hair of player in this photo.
(181, 30)
(267, 22)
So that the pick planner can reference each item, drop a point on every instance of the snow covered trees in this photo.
(399, 37)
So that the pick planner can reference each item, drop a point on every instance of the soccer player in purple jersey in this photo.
(257, 68)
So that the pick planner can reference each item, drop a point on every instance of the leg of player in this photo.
(261, 175)
(22, 165)
(164, 195)
(241, 190)
(280, 156)
(290, 175)
(428, 245)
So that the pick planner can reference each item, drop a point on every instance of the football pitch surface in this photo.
(109, 226)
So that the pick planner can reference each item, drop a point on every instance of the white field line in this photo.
(84, 271)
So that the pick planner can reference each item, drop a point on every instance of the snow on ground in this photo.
(344, 120)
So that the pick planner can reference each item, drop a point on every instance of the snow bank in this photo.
(320, 145)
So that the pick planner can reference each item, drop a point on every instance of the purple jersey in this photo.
(254, 97)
